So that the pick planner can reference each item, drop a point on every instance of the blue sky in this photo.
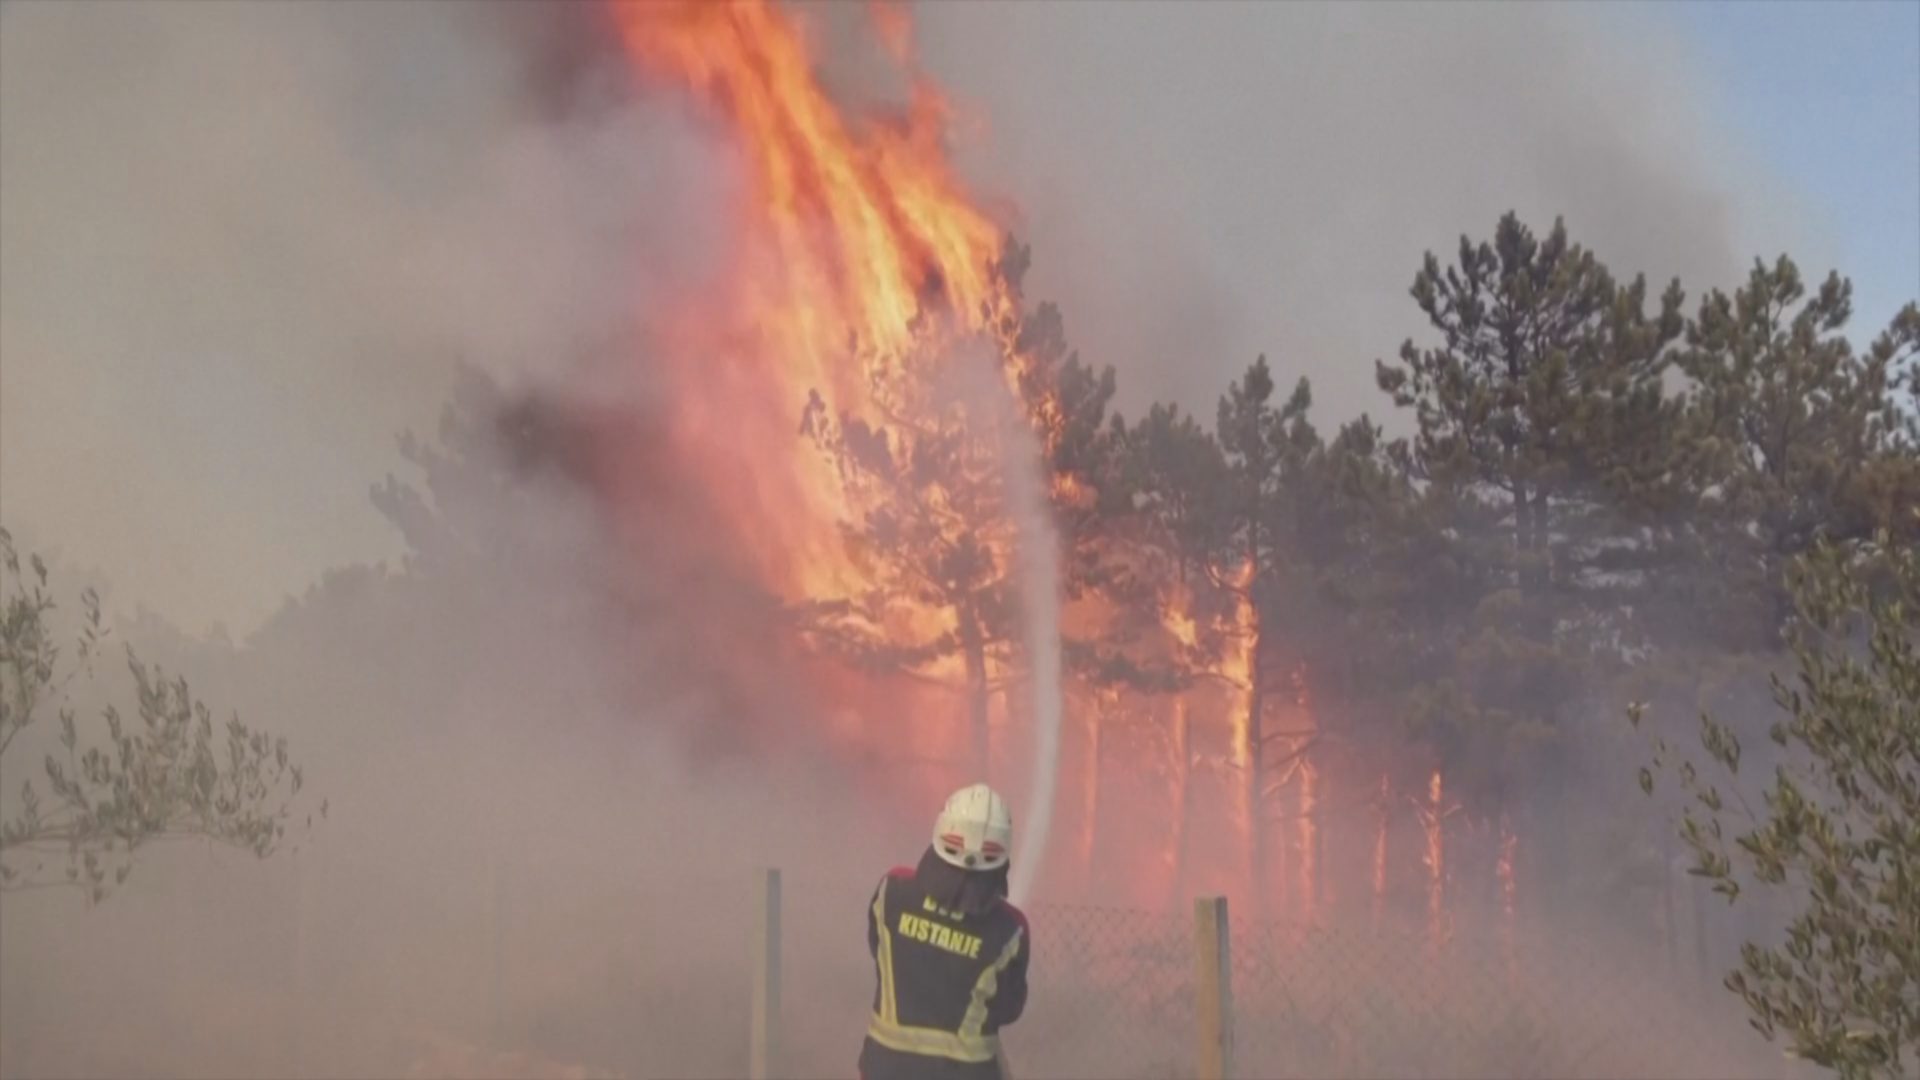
(1828, 94)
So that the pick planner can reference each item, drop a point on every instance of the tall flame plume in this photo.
(857, 253)
(845, 233)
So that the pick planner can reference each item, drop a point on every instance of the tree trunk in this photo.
(1096, 719)
(1256, 820)
(1182, 780)
(974, 650)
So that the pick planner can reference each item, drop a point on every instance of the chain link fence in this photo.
(1114, 996)
(566, 983)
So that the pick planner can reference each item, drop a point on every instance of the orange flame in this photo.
(1309, 802)
(1181, 746)
(1236, 668)
(1433, 815)
(856, 250)
(848, 234)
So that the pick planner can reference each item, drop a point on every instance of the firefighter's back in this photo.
(947, 982)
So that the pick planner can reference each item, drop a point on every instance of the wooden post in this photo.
(1213, 988)
(764, 1033)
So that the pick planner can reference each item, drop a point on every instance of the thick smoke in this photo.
(1205, 183)
(242, 245)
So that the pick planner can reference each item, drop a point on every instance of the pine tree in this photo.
(930, 531)
(1266, 449)
(1349, 608)
(1541, 464)
(1797, 431)
(1891, 487)
(931, 525)
(1168, 470)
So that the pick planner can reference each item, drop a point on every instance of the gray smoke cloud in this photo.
(242, 245)
(241, 248)
(1206, 182)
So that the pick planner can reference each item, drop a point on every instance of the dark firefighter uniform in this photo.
(947, 984)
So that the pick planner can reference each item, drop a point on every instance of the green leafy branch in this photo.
(165, 775)
(1840, 824)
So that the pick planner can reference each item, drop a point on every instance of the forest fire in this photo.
(843, 235)
(809, 400)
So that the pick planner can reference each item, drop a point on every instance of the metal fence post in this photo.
(1213, 988)
(763, 1035)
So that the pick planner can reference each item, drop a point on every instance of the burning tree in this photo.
(1264, 449)
(1453, 597)
(1209, 567)
(930, 532)
(1152, 640)
(929, 524)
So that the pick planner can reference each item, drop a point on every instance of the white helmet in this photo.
(974, 830)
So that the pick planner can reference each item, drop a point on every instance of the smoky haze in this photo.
(1205, 182)
(279, 225)
(243, 245)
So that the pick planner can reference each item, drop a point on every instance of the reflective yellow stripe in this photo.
(986, 984)
(889, 1009)
(967, 1044)
(932, 1042)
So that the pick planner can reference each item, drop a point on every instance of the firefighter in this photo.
(949, 950)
